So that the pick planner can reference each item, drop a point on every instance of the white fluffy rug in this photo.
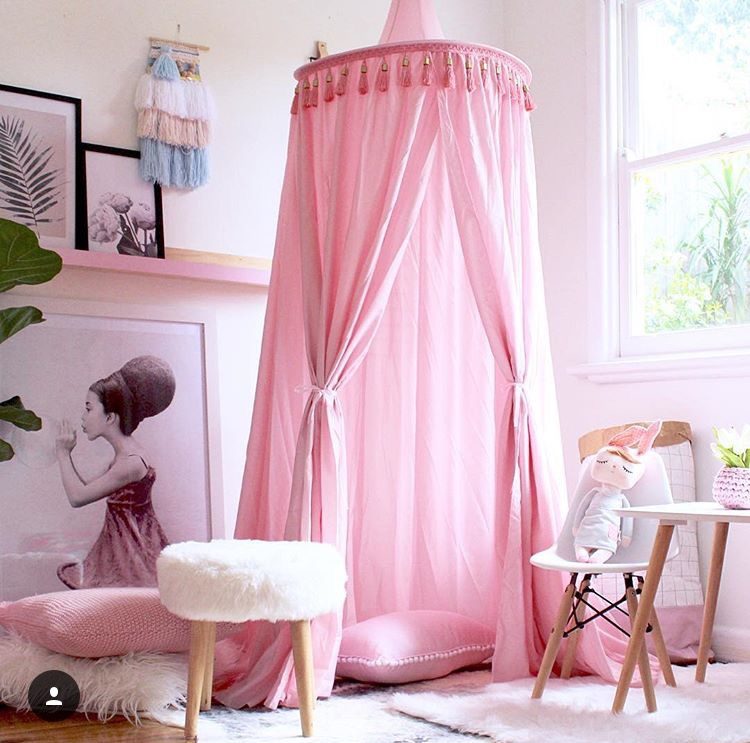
(577, 711)
(139, 684)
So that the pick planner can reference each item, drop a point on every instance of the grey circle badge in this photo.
(54, 695)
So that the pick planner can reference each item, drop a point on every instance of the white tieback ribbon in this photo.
(325, 393)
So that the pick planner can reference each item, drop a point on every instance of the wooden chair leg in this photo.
(208, 672)
(303, 673)
(643, 665)
(199, 636)
(555, 638)
(573, 640)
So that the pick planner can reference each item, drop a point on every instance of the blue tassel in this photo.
(164, 67)
(173, 166)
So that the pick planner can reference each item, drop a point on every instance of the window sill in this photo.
(705, 365)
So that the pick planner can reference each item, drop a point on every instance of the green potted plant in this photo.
(732, 483)
(22, 261)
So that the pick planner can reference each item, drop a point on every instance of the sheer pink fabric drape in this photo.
(405, 407)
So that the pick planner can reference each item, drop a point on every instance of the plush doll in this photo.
(617, 467)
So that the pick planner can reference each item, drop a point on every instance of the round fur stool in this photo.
(236, 580)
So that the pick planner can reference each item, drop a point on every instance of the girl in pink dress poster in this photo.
(131, 537)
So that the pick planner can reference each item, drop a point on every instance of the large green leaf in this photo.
(6, 451)
(12, 411)
(22, 261)
(13, 319)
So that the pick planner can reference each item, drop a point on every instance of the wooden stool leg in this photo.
(580, 614)
(555, 638)
(303, 673)
(721, 531)
(208, 673)
(643, 665)
(199, 635)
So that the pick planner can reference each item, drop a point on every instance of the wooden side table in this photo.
(670, 516)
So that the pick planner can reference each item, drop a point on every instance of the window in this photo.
(684, 175)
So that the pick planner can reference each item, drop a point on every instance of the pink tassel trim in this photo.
(405, 77)
(469, 74)
(528, 101)
(501, 77)
(328, 92)
(483, 67)
(343, 80)
(381, 83)
(314, 95)
(427, 70)
(363, 83)
(449, 81)
(295, 100)
(306, 94)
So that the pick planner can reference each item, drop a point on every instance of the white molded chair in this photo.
(651, 490)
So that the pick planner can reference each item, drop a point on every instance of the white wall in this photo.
(551, 37)
(96, 50)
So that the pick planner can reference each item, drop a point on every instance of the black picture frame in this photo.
(108, 192)
(40, 139)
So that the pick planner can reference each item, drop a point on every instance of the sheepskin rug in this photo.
(577, 711)
(135, 685)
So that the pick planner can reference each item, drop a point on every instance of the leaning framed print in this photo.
(40, 134)
(117, 387)
(122, 212)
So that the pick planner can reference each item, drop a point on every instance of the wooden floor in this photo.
(18, 727)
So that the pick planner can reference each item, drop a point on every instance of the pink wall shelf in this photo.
(178, 269)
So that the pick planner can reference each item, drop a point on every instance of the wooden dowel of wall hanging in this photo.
(174, 42)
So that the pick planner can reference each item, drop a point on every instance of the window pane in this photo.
(693, 72)
(691, 244)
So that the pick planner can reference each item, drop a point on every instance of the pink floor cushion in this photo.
(99, 622)
(409, 646)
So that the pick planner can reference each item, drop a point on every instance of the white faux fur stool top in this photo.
(236, 580)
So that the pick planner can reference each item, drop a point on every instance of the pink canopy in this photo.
(405, 408)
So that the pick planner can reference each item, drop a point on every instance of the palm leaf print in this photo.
(29, 188)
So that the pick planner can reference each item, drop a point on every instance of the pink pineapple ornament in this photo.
(617, 467)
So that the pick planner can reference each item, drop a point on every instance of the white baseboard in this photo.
(731, 644)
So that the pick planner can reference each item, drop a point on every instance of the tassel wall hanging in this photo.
(175, 111)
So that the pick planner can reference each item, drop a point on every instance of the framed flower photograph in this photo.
(40, 134)
(123, 213)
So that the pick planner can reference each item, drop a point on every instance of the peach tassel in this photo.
(363, 84)
(483, 67)
(314, 96)
(343, 79)
(449, 81)
(500, 74)
(328, 92)
(528, 101)
(427, 70)
(306, 94)
(381, 82)
(405, 72)
(469, 74)
(295, 100)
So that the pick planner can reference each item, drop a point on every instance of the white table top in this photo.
(682, 512)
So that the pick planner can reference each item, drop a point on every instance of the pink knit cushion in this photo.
(97, 622)
(411, 646)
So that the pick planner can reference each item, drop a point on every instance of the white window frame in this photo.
(611, 342)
